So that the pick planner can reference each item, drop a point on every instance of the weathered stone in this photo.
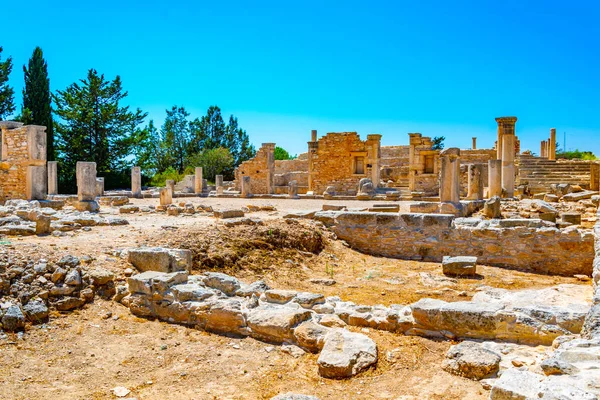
(36, 311)
(294, 396)
(310, 336)
(492, 208)
(100, 276)
(160, 259)
(308, 300)
(554, 366)
(13, 319)
(471, 360)
(228, 214)
(345, 354)
(256, 288)
(225, 283)
(69, 303)
(459, 266)
(275, 323)
(278, 296)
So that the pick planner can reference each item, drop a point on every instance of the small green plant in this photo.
(370, 275)
(329, 270)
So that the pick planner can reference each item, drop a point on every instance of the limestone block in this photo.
(571, 218)
(198, 180)
(275, 323)
(99, 187)
(223, 282)
(160, 259)
(136, 182)
(246, 188)
(231, 213)
(86, 181)
(310, 336)
(459, 266)
(346, 354)
(492, 208)
(52, 167)
(471, 360)
(165, 196)
(37, 182)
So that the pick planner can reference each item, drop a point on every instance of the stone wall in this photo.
(22, 161)
(291, 170)
(334, 161)
(530, 245)
(260, 169)
(395, 163)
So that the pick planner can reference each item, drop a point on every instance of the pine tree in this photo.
(93, 125)
(7, 105)
(176, 137)
(36, 98)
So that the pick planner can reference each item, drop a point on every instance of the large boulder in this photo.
(345, 354)
(275, 324)
(471, 360)
(160, 259)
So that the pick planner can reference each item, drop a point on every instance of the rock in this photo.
(292, 350)
(225, 316)
(73, 278)
(120, 391)
(128, 209)
(58, 275)
(36, 311)
(551, 198)
(100, 276)
(256, 288)
(13, 319)
(160, 259)
(459, 266)
(69, 303)
(308, 300)
(553, 366)
(322, 281)
(42, 225)
(332, 321)
(191, 292)
(471, 360)
(310, 336)
(69, 261)
(345, 354)
(228, 214)
(492, 208)
(293, 396)
(571, 218)
(274, 324)
(223, 282)
(280, 296)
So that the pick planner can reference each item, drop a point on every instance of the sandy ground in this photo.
(81, 355)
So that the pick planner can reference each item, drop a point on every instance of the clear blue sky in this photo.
(286, 67)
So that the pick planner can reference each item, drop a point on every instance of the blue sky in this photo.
(283, 68)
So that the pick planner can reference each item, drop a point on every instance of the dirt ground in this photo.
(83, 355)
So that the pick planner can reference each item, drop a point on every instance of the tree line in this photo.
(90, 122)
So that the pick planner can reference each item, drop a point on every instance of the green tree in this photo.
(213, 162)
(93, 125)
(438, 143)
(37, 108)
(7, 105)
(176, 137)
(282, 154)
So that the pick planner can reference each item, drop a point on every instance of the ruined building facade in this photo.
(22, 161)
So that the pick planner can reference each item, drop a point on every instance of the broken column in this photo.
(166, 197)
(86, 186)
(219, 184)
(246, 188)
(99, 186)
(136, 182)
(507, 126)
(293, 190)
(552, 145)
(450, 176)
(475, 182)
(474, 143)
(543, 148)
(198, 180)
(170, 185)
(52, 168)
(494, 178)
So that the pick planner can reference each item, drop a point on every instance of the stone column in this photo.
(373, 154)
(246, 188)
(219, 184)
(475, 182)
(270, 150)
(52, 167)
(136, 182)
(86, 181)
(99, 186)
(313, 148)
(494, 178)
(499, 142)
(506, 126)
(293, 190)
(450, 176)
(595, 176)
(474, 143)
(166, 197)
(313, 135)
(552, 145)
(542, 148)
(37, 182)
(198, 180)
(170, 185)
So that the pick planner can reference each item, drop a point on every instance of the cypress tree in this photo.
(36, 97)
